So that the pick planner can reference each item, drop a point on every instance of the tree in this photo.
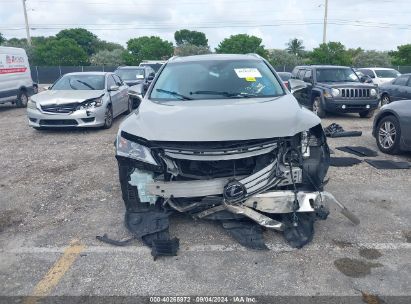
(190, 37)
(109, 46)
(62, 51)
(241, 44)
(85, 39)
(295, 46)
(106, 57)
(190, 49)
(331, 53)
(147, 48)
(372, 58)
(279, 58)
(2, 39)
(402, 56)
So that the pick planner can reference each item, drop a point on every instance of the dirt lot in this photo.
(61, 187)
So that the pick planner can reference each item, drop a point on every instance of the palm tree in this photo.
(295, 46)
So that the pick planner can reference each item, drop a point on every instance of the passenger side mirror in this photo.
(296, 85)
(114, 88)
(366, 79)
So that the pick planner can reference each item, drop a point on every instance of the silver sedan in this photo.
(87, 99)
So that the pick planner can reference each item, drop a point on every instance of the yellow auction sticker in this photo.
(250, 78)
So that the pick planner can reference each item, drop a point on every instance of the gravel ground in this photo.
(56, 186)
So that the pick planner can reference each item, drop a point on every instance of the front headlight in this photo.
(97, 102)
(373, 92)
(130, 149)
(335, 92)
(31, 104)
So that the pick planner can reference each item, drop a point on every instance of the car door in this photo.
(398, 89)
(123, 95)
(307, 92)
(299, 95)
(114, 95)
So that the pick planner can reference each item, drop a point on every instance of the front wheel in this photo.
(385, 99)
(388, 135)
(367, 114)
(22, 99)
(108, 118)
(318, 108)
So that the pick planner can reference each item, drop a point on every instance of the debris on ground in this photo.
(335, 130)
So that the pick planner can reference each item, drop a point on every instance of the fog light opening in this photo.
(343, 106)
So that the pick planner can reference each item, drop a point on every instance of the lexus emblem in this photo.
(234, 190)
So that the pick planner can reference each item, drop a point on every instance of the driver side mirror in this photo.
(296, 85)
(150, 77)
(114, 88)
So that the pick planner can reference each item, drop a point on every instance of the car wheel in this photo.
(22, 99)
(108, 117)
(367, 114)
(388, 135)
(385, 99)
(129, 106)
(318, 108)
(35, 89)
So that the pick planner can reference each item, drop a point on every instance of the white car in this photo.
(380, 75)
(88, 99)
(16, 84)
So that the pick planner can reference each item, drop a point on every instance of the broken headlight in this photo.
(96, 102)
(130, 149)
(31, 104)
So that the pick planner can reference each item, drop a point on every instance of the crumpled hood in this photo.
(219, 119)
(65, 96)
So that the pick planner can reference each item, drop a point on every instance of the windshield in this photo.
(216, 79)
(387, 73)
(130, 74)
(336, 75)
(80, 82)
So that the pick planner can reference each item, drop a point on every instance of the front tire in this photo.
(22, 99)
(367, 114)
(318, 108)
(388, 135)
(108, 117)
(385, 99)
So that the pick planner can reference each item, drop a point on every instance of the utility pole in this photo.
(27, 23)
(325, 22)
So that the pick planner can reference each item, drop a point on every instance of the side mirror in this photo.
(296, 85)
(114, 88)
(366, 79)
(150, 77)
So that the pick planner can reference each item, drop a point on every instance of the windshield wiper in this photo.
(226, 94)
(183, 97)
(86, 84)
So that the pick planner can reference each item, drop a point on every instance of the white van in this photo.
(16, 84)
(380, 75)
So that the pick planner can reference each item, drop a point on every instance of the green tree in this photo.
(2, 39)
(64, 51)
(331, 53)
(283, 58)
(295, 46)
(190, 37)
(85, 39)
(106, 57)
(147, 48)
(242, 44)
(109, 46)
(402, 56)
(372, 59)
(190, 49)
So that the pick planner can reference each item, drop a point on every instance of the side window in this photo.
(307, 76)
(118, 80)
(300, 74)
(402, 80)
(294, 72)
(110, 81)
(368, 73)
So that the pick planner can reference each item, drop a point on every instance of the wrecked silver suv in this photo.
(219, 137)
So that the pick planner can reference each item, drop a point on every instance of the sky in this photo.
(369, 24)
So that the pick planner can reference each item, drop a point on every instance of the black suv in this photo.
(335, 89)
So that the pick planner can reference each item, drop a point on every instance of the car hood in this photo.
(65, 96)
(347, 85)
(219, 119)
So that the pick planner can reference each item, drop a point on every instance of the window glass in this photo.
(336, 75)
(118, 80)
(131, 74)
(79, 82)
(110, 82)
(402, 80)
(387, 73)
(307, 74)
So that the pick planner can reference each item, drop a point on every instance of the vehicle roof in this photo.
(283, 72)
(376, 68)
(89, 73)
(131, 67)
(321, 66)
(13, 49)
(215, 57)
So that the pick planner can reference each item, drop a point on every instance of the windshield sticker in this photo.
(248, 72)
(250, 79)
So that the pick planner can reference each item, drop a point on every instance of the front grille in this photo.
(63, 108)
(58, 122)
(355, 93)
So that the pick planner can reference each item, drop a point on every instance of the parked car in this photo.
(285, 76)
(133, 75)
(16, 84)
(392, 127)
(397, 89)
(154, 64)
(220, 137)
(335, 89)
(136, 92)
(380, 76)
(88, 99)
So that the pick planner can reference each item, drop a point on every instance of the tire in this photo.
(35, 89)
(130, 104)
(22, 99)
(108, 117)
(388, 135)
(38, 128)
(385, 99)
(367, 114)
(318, 108)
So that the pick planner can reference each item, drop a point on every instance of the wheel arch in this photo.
(381, 116)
